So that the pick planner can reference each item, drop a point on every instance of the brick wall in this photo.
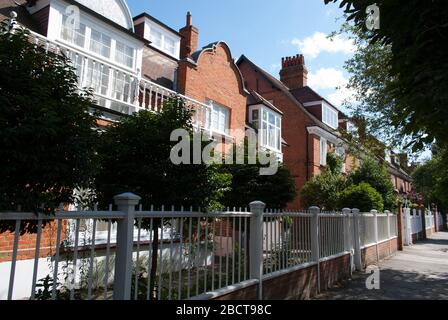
(41, 18)
(297, 285)
(369, 255)
(27, 243)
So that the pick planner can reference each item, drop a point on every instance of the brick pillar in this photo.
(400, 228)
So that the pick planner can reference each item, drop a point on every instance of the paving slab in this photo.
(420, 272)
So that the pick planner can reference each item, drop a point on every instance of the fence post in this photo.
(357, 240)
(315, 254)
(375, 230)
(256, 244)
(388, 229)
(126, 203)
(346, 212)
(347, 243)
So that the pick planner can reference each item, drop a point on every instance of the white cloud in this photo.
(334, 79)
(326, 78)
(341, 95)
(313, 45)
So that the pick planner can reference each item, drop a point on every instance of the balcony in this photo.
(119, 89)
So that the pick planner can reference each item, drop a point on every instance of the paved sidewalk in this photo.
(420, 272)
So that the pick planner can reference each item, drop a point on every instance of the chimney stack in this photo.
(294, 73)
(190, 38)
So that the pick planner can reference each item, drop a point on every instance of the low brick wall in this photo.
(373, 253)
(297, 284)
(27, 243)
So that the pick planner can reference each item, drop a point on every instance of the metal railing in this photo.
(119, 88)
(416, 221)
(174, 253)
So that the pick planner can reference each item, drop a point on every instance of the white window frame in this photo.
(323, 148)
(218, 110)
(165, 35)
(330, 116)
(266, 134)
(90, 25)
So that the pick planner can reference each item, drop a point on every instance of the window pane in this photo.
(100, 43)
(124, 54)
(71, 33)
(220, 118)
(169, 45)
(156, 38)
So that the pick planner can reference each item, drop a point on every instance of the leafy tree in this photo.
(322, 190)
(403, 67)
(362, 197)
(248, 185)
(430, 179)
(376, 176)
(46, 138)
(135, 157)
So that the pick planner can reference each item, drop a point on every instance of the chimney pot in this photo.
(189, 19)
(294, 73)
(190, 37)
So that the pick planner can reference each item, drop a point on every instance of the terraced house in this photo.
(136, 63)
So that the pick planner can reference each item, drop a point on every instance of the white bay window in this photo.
(269, 127)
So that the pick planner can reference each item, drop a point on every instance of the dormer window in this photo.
(169, 45)
(156, 38)
(329, 116)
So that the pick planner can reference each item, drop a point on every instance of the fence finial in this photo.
(257, 206)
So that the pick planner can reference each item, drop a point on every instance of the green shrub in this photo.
(322, 190)
(377, 177)
(363, 197)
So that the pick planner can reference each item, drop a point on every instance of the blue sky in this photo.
(265, 31)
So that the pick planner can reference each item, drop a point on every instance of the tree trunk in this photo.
(154, 259)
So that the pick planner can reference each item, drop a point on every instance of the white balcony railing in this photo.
(119, 89)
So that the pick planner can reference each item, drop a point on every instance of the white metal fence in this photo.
(376, 227)
(416, 221)
(429, 220)
(179, 253)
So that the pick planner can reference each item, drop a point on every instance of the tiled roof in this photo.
(279, 85)
(256, 98)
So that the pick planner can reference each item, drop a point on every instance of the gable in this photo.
(218, 57)
(114, 10)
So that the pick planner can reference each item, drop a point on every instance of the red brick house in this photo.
(310, 123)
